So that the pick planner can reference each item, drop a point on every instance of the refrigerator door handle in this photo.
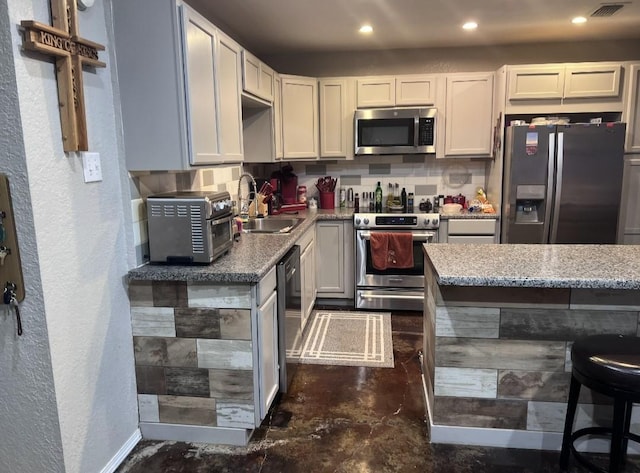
(549, 196)
(558, 193)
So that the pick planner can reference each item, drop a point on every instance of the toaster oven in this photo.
(189, 226)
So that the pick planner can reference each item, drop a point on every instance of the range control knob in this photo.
(357, 220)
(426, 221)
(366, 221)
(435, 221)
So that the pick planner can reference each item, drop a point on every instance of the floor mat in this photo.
(348, 338)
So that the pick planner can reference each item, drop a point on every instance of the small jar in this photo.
(302, 194)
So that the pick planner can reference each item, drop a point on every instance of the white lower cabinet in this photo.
(268, 371)
(482, 230)
(335, 259)
(629, 227)
(307, 243)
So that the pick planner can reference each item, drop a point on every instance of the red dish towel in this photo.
(391, 250)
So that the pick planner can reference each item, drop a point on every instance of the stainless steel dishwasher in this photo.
(289, 315)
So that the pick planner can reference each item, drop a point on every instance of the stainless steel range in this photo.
(401, 289)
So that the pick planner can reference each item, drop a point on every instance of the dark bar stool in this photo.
(610, 365)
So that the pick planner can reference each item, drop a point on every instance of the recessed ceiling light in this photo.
(366, 29)
(579, 20)
(470, 25)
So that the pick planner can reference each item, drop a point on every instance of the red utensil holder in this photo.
(327, 200)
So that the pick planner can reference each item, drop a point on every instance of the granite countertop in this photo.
(469, 215)
(551, 266)
(249, 259)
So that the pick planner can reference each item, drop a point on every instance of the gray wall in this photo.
(28, 411)
(414, 61)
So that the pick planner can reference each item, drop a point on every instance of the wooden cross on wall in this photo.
(63, 41)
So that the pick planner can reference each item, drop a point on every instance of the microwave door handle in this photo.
(416, 131)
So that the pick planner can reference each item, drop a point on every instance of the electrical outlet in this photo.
(92, 167)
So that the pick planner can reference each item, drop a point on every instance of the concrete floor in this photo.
(347, 420)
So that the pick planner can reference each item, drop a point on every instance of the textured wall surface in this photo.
(418, 61)
(82, 252)
(28, 412)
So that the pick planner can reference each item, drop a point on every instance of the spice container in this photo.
(302, 194)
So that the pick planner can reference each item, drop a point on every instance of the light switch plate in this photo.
(92, 167)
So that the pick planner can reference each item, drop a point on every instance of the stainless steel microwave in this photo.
(395, 131)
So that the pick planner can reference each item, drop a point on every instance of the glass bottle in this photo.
(378, 198)
(410, 202)
(403, 200)
(356, 203)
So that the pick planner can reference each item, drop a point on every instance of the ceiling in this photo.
(268, 27)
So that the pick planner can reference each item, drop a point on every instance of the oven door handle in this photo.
(387, 296)
(220, 221)
(416, 236)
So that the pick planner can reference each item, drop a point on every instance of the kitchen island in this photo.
(498, 328)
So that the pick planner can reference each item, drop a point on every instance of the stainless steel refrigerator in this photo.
(562, 183)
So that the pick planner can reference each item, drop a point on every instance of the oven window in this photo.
(386, 132)
(221, 235)
(418, 263)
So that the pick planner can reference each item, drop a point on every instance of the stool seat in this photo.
(611, 359)
(609, 365)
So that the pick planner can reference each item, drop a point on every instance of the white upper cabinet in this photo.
(376, 92)
(631, 114)
(591, 81)
(257, 77)
(230, 124)
(392, 91)
(336, 118)
(300, 117)
(277, 117)
(535, 82)
(170, 95)
(415, 90)
(200, 68)
(564, 81)
(468, 115)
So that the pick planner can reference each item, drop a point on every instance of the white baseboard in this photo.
(195, 433)
(507, 438)
(121, 454)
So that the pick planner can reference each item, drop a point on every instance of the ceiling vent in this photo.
(606, 10)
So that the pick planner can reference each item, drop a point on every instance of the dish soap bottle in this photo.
(378, 199)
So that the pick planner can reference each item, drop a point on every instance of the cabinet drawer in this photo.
(266, 286)
(472, 239)
(472, 227)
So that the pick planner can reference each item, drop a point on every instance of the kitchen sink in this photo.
(270, 225)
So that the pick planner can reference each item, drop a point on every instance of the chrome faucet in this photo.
(244, 203)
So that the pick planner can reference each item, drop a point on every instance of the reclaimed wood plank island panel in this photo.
(499, 323)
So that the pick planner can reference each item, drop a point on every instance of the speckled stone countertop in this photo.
(249, 259)
(469, 215)
(552, 266)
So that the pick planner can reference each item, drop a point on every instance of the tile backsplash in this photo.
(424, 176)
(144, 184)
